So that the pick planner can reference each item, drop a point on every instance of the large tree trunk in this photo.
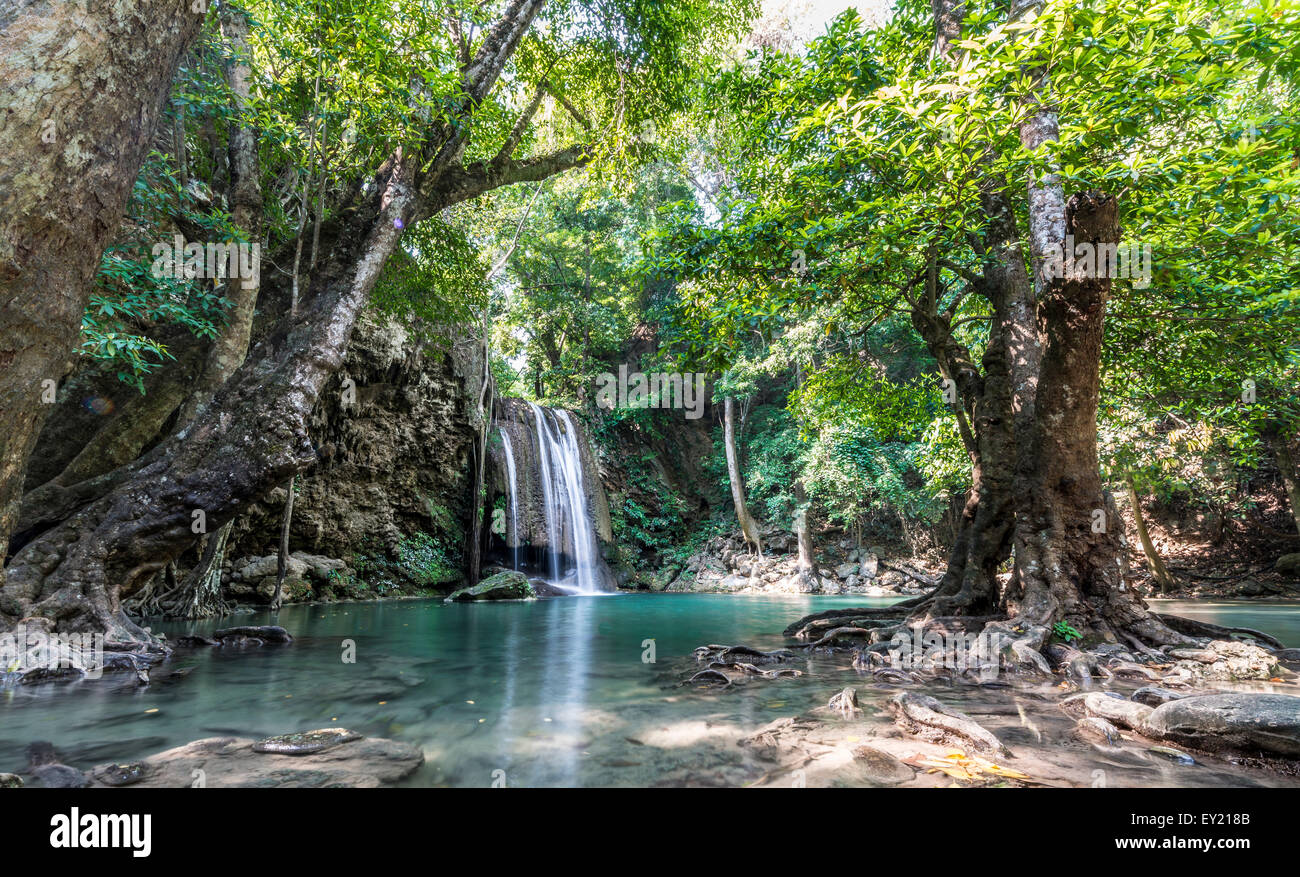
(230, 347)
(1069, 559)
(200, 593)
(79, 113)
(995, 410)
(748, 526)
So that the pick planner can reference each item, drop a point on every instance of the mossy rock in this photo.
(10, 781)
(502, 586)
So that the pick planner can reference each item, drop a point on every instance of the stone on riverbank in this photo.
(1288, 565)
(1097, 730)
(881, 767)
(1224, 661)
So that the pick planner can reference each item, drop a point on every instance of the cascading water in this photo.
(514, 499)
(570, 536)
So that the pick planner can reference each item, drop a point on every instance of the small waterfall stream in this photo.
(551, 528)
(513, 536)
(569, 529)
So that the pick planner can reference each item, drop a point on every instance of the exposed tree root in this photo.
(1191, 627)
(710, 676)
(730, 654)
(924, 717)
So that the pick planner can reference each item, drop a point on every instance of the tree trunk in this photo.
(1159, 573)
(748, 526)
(1069, 563)
(230, 347)
(282, 560)
(80, 116)
(201, 588)
(805, 565)
(1286, 466)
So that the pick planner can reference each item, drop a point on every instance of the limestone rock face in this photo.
(394, 432)
(305, 573)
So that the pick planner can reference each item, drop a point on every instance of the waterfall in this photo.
(569, 531)
(514, 498)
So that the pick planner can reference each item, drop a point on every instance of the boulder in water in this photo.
(502, 586)
(881, 767)
(1267, 722)
(1099, 730)
(127, 774)
(10, 781)
(1225, 660)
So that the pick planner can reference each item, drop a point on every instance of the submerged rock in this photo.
(502, 586)
(1267, 722)
(231, 762)
(846, 701)
(1174, 755)
(881, 767)
(49, 772)
(306, 742)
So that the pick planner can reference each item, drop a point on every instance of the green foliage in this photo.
(435, 282)
(854, 166)
(647, 518)
(424, 560)
(131, 307)
(1066, 632)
